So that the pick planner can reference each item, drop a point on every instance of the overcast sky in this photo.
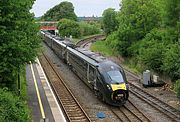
(82, 7)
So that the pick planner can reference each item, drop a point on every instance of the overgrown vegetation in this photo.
(148, 33)
(12, 108)
(75, 29)
(88, 28)
(19, 44)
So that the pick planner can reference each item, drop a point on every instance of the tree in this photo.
(68, 27)
(63, 10)
(109, 21)
(172, 9)
(19, 42)
(136, 19)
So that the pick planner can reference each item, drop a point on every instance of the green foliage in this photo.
(95, 23)
(171, 62)
(152, 55)
(172, 8)
(112, 41)
(23, 84)
(12, 109)
(177, 87)
(159, 51)
(109, 21)
(88, 29)
(136, 19)
(68, 27)
(63, 10)
(148, 32)
(19, 42)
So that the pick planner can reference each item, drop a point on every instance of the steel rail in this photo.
(71, 107)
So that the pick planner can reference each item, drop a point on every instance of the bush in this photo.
(112, 40)
(171, 62)
(152, 56)
(177, 87)
(12, 108)
(159, 51)
(151, 49)
(88, 29)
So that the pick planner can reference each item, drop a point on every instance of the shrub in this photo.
(152, 55)
(171, 62)
(12, 108)
(151, 49)
(112, 40)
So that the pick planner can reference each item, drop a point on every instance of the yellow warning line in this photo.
(38, 95)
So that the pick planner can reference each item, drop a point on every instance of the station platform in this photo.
(42, 101)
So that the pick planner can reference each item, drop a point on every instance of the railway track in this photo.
(82, 43)
(130, 113)
(167, 110)
(71, 107)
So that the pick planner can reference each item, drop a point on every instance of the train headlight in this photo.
(127, 86)
(109, 87)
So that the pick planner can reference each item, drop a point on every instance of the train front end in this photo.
(119, 94)
(115, 85)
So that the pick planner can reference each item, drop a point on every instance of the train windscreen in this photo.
(115, 77)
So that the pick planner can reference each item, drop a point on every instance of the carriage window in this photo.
(115, 76)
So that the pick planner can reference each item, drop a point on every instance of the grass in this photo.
(23, 84)
(133, 65)
(103, 48)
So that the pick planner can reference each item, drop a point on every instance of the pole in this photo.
(18, 80)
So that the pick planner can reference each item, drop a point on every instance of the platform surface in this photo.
(42, 101)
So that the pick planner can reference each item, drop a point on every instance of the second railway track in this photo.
(168, 111)
(71, 107)
(130, 113)
(172, 113)
(82, 43)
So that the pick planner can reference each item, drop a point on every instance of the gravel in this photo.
(92, 105)
(83, 94)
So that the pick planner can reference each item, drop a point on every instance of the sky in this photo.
(81, 7)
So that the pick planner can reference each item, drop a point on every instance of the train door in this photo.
(91, 75)
(99, 83)
(99, 89)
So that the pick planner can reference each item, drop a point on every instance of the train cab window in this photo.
(115, 76)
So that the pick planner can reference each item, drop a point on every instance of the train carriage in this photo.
(106, 78)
